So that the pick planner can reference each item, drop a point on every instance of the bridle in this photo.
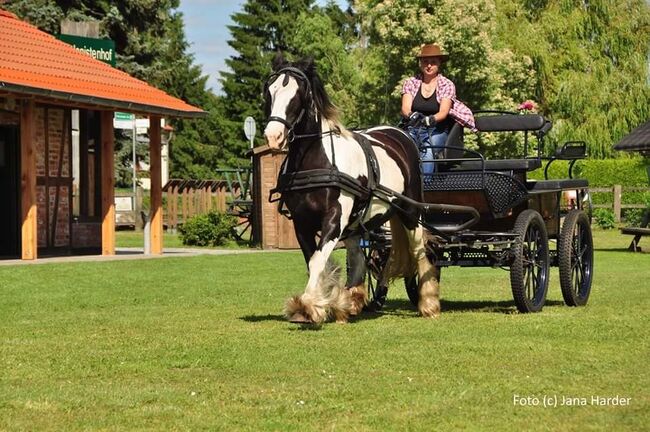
(299, 75)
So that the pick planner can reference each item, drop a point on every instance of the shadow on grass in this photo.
(401, 307)
(404, 309)
(262, 318)
(641, 251)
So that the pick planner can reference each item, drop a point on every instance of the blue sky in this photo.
(206, 31)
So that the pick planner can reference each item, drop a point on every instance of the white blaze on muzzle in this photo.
(281, 95)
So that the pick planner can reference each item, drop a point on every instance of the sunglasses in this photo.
(430, 60)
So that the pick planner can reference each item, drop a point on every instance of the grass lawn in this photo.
(199, 343)
(129, 238)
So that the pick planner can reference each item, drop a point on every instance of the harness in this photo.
(306, 180)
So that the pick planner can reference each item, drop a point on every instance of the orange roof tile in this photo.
(34, 62)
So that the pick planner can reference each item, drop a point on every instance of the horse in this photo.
(328, 184)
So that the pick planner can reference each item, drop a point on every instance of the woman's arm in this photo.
(445, 106)
(407, 102)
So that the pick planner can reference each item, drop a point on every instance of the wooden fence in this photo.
(616, 204)
(182, 199)
(187, 198)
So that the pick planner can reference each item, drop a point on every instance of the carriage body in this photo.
(524, 225)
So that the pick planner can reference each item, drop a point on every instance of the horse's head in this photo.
(288, 100)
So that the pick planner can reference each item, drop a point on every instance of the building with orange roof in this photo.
(42, 82)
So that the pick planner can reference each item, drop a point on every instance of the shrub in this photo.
(210, 229)
(633, 217)
(605, 218)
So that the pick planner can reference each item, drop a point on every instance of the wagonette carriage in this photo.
(340, 185)
(498, 217)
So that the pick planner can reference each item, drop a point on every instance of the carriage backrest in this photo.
(507, 122)
(455, 143)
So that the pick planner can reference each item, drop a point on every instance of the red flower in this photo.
(527, 105)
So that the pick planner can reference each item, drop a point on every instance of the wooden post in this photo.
(184, 203)
(175, 205)
(169, 209)
(190, 201)
(156, 185)
(221, 197)
(208, 198)
(108, 183)
(617, 202)
(29, 211)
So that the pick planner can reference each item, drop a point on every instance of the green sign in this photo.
(99, 49)
(124, 116)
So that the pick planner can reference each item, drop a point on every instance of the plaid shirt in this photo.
(446, 89)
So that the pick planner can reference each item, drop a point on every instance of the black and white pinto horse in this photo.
(324, 212)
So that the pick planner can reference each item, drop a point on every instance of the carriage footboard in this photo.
(472, 214)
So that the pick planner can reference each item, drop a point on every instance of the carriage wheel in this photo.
(530, 264)
(576, 258)
(376, 260)
(376, 250)
(411, 285)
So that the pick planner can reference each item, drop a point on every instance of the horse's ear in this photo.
(278, 61)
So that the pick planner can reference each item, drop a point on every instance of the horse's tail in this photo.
(401, 262)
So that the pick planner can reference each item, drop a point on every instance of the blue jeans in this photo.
(429, 141)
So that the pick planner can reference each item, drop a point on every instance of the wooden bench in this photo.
(638, 232)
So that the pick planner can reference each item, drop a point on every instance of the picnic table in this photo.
(638, 232)
(637, 141)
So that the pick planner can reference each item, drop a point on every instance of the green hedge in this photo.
(627, 172)
(601, 173)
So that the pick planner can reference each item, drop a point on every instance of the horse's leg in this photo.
(356, 274)
(323, 293)
(306, 239)
(429, 289)
(294, 310)
(408, 254)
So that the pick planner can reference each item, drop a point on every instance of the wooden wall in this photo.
(274, 230)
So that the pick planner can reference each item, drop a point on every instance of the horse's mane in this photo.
(328, 110)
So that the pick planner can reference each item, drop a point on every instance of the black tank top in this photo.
(428, 106)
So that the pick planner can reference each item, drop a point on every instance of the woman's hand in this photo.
(415, 119)
(430, 120)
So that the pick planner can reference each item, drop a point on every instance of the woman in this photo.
(430, 107)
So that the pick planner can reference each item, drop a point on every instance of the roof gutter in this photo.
(100, 102)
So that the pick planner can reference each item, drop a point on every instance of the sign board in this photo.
(250, 129)
(123, 120)
(99, 49)
(124, 116)
(123, 203)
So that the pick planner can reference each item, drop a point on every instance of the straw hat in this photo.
(432, 50)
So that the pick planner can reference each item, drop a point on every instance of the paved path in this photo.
(135, 253)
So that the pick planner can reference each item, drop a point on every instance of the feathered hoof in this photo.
(358, 299)
(300, 310)
(429, 307)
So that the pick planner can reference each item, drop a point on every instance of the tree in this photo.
(325, 40)
(591, 63)
(487, 74)
(261, 29)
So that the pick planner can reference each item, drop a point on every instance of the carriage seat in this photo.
(498, 165)
(495, 122)
(556, 185)
(505, 122)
